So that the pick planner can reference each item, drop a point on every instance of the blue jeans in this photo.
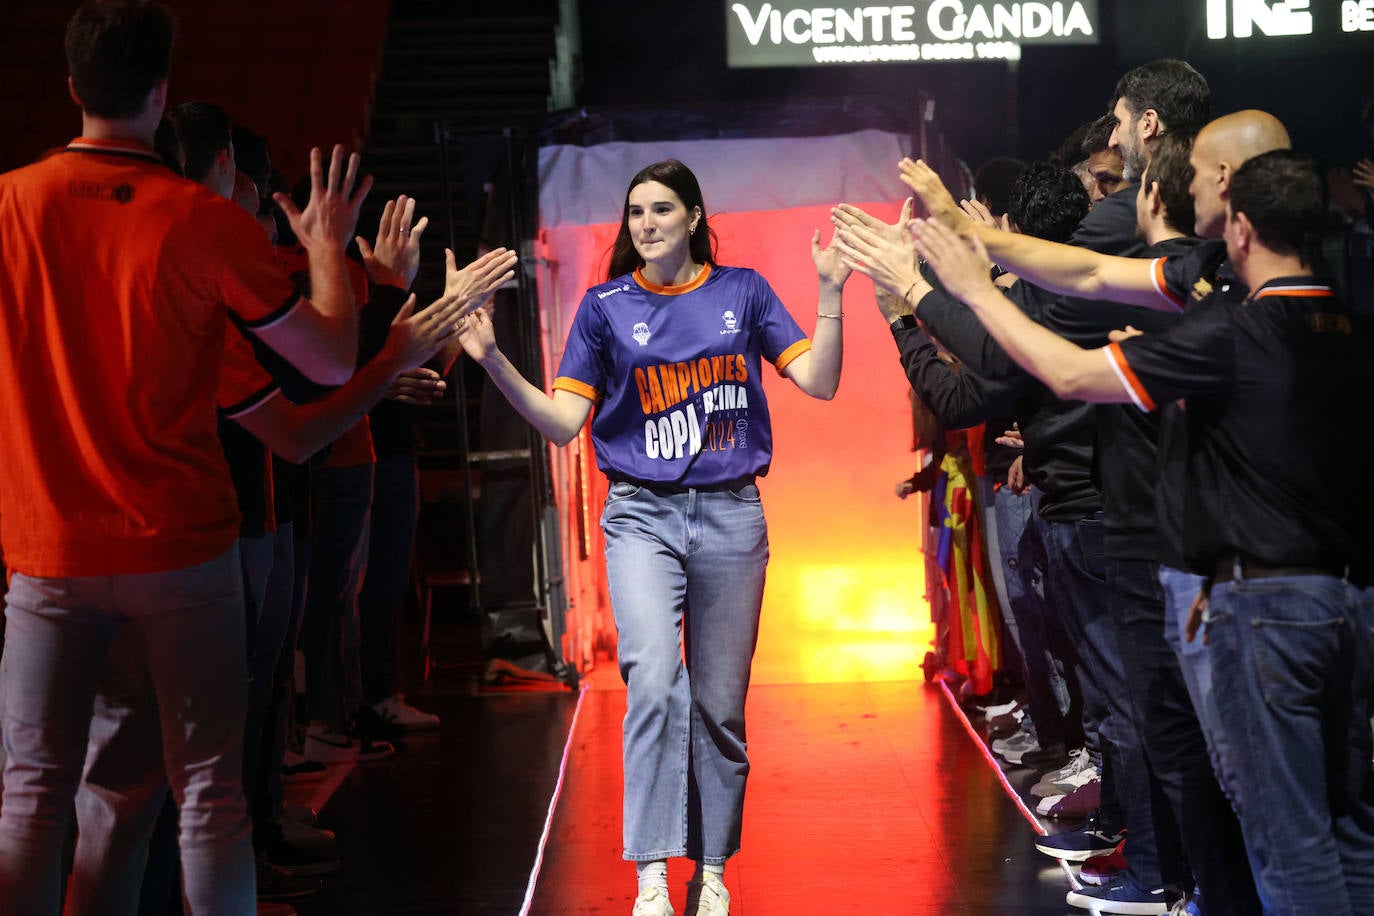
(695, 558)
(1295, 655)
(75, 642)
(1195, 659)
(1197, 817)
(1054, 713)
(1081, 595)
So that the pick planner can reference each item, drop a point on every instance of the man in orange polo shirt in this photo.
(116, 507)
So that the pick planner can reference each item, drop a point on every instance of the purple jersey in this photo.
(676, 374)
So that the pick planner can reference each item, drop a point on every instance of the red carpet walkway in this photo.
(863, 798)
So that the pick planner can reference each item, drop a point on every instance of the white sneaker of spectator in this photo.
(325, 744)
(396, 710)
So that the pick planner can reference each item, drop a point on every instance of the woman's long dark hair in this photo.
(673, 175)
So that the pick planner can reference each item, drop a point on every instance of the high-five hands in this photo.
(417, 336)
(878, 250)
(831, 267)
(331, 215)
(961, 266)
(939, 203)
(394, 259)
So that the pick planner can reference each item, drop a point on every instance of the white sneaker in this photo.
(328, 746)
(1001, 709)
(652, 901)
(396, 711)
(1070, 776)
(709, 898)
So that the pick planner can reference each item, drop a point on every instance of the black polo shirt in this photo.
(1199, 279)
(1280, 424)
(1126, 457)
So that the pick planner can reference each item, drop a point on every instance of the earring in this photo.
(692, 231)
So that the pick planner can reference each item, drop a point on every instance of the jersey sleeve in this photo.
(1182, 279)
(250, 282)
(1194, 356)
(243, 382)
(781, 337)
(582, 371)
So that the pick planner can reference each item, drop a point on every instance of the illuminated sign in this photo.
(791, 33)
(1272, 18)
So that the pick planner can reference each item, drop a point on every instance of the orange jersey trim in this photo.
(687, 287)
(1311, 292)
(1162, 285)
(563, 383)
(791, 353)
(1129, 380)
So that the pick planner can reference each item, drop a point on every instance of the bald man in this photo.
(1277, 419)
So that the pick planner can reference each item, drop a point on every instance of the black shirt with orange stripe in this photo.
(1280, 424)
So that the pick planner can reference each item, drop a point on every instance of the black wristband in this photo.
(903, 323)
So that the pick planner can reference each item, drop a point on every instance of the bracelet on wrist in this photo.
(820, 314)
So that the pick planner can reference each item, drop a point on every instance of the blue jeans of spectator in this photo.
(161, 649)
(1083, 600)
(1054, 713)
(395, 509)
(992, 537)
(333, 677)
(686, 573)
(1195, 661)
(1192, 816)
(1296, 654)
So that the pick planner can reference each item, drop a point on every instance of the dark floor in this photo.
(864, 798)
(451, 824)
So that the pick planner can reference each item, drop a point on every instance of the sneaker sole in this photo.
(1099, 880)
(1127, 908)
(1074, 855)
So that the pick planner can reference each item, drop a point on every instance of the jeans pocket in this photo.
(1293, 659)
(749, 493)
(621, 490)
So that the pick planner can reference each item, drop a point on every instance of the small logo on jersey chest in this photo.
(641, 333)
(728, 317)
(1201, 290)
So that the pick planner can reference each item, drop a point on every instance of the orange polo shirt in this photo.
(113, 296)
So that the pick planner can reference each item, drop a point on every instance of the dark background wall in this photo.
(663, 53)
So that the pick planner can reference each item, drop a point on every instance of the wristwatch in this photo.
(905, 322)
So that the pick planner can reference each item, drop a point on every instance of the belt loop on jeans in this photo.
(1237, 569)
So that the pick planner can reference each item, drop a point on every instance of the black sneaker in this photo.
(370, 725)
(1081, 843)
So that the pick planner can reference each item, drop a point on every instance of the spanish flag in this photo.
(975, 624)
